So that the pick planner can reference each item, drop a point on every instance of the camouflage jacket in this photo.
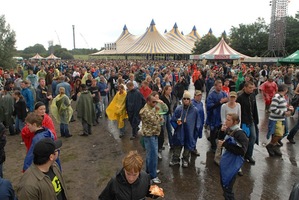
(151, 121)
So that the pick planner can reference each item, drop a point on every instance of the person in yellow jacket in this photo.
(117, 109)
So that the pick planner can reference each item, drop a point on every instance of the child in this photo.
(34, 123)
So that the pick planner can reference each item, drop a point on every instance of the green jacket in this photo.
(35, 185)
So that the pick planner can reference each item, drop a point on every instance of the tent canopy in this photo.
(52, 57)
(152, 42)
(36, 57)
(222, 51)
(293, 58)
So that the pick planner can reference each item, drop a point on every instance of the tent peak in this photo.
(125, 27)
(152, 26)
(153, 22)
(194, 28)
(175, 25)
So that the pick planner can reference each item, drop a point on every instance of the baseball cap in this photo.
(197, 92)
(46, 146)
(233, 94)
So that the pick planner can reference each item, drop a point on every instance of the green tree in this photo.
(37, 48)
(251, 39)
(206, 43)
(54, 48)
(83, 51)
(292, 34)
(7, 44)
(63, 53)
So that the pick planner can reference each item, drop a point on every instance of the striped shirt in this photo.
(278, 107)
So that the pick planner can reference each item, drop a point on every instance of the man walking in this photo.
(85, 110)
(249, 117)
(134, 103)
(43, 179)
(214, 101)
(151, 127)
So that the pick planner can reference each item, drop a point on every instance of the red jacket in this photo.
(27, 135)
(145, 91)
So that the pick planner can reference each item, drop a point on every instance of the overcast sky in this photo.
(98, 22)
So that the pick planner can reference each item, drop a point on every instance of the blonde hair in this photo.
(235, 117)
(61, 91)
(133, 162)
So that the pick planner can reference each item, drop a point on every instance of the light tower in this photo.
(74, 41)
(277, 33)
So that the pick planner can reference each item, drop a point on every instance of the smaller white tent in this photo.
(36, 57)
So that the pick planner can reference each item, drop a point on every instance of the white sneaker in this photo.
(156, 180)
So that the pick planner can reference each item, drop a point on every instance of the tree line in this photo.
(249, 39)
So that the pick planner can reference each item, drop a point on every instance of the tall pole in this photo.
(74, 37)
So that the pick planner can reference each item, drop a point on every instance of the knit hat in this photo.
(187, 94)
(38, 104)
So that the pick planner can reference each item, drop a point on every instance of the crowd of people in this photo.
(154, 97)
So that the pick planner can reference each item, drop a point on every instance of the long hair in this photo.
(165, 88)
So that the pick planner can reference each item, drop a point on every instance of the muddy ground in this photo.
(87, 162)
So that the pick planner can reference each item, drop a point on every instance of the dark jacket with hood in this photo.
(118, 188)
(134, 102)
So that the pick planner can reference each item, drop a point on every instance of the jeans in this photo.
(151, 147)
(228, 191)
(64, 130)
(168, 128)
(104, 103)
(19, 125)
(161, 139)
(252, 139)
(97, 109)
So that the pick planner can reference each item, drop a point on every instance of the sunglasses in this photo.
(186, 98)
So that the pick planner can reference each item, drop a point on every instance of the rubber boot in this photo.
(277, 151)
(186, 156)
(270, 149)
(176, 156)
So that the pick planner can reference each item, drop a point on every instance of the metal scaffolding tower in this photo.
(277, 34)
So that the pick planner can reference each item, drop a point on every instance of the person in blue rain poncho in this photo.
(186, 123)
(235, 145)
(196, 101)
